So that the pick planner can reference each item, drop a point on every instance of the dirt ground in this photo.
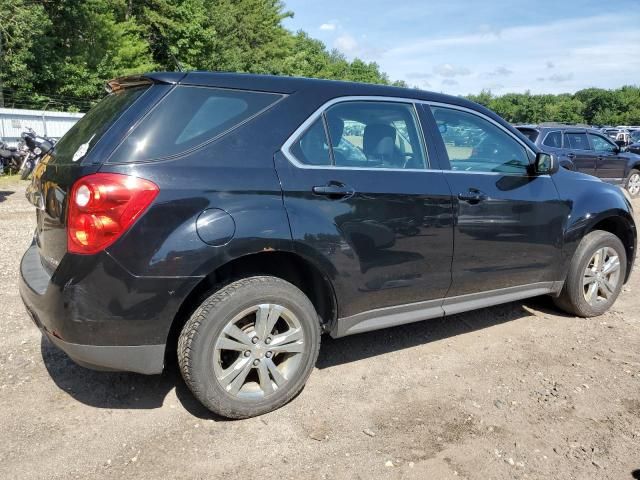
(515, 391)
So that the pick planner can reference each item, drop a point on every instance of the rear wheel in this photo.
(595, 277)
(250, 347)
(633, 183)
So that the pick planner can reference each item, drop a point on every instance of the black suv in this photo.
(589, 151)
(230, 220)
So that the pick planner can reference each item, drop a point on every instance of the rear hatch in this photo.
(81, 152)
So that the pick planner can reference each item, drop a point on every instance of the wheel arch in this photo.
(622, 228)
(290, 266)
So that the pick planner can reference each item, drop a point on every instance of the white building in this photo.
(14, 121)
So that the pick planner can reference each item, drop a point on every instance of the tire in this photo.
(573, 297)
(210, 369)
(632, 184)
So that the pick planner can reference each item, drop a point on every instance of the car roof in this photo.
(290, 85)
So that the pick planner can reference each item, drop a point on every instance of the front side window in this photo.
(576, 141)
(474, 144)
(553, 140)
(601, 144)
(364, 134)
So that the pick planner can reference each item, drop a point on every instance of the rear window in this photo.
(188, 117)
(81, 138)
(530, 133)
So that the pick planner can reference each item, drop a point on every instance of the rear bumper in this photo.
(99, 314)
(146, 359)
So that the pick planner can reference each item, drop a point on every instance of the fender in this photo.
(589, 202)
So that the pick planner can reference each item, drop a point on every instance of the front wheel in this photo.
(595, 277)
(250, 347)
(633, 183)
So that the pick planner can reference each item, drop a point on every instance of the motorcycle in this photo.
(10, 158)
(37, 147)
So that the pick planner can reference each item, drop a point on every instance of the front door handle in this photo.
(571, 156)
(473, 196)
(334, 190)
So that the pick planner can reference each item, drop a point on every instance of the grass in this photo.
(9, 180)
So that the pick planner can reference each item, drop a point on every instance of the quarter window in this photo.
(188, 117)
(553, 140)
(476, 145)
(364, 134)
(576, 141)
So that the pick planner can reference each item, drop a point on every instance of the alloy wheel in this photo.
(258, 351)
(601, 276)
(633, 184)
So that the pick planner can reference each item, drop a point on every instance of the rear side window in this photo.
(364, 134)
(553, 140)
(188, 117)
(313, 148)
(576, 141)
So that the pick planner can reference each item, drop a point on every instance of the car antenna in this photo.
(176, 62)
(175, 59)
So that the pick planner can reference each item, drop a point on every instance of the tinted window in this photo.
(600, 144)
(188, 117)
(477, 145)
(577, 141)
(553, 139)
(313, 148)
(94, 124)
(375, 135)
(530, 133)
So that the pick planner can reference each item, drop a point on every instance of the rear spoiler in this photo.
(131, 81)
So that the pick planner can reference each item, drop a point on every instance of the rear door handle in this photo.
(472, 196)
(571, 156)
(334, 190)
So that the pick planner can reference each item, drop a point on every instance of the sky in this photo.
(463, 46)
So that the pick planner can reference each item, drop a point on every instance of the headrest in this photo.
(374, 134)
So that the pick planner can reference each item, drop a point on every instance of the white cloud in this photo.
(448, 70)
(328, 26)
(347, 44)
(500, 72)
(533, 53)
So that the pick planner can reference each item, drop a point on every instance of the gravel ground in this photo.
(515, 391)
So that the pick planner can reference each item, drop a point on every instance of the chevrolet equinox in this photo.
(230, 220)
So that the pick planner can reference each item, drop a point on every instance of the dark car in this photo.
(230, 220)
(634, 146)
(589, 151)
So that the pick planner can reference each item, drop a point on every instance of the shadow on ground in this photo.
(5, 193)
(118, 390)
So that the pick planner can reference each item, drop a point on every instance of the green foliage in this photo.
(59, 54)
(592, 106)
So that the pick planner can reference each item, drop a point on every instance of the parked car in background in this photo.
(589, 151)
(634, 146)
(228, 220)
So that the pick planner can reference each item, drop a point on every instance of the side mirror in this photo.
(545, 164)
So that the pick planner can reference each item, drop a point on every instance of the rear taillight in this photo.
(102, 207)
